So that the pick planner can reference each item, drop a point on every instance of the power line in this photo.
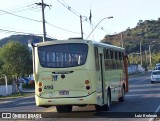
(2, 27)
(50, 37)
(72, 10)
(21, 9)
(62, 28)
(37, 21)
(20, 16)
(17, 32)
(25, 33)
(63, 3)
(78, 14)
(69, 8)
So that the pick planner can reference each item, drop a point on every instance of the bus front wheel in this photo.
(121, 99)
(64, 108)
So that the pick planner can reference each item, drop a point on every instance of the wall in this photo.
(135, 68)
(3, 90)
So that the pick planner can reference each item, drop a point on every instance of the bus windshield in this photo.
(63, 55)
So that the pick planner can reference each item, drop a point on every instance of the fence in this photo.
(4, 91)
(135, 68)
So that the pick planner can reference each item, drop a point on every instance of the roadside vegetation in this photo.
(147, 33)
(15, 62)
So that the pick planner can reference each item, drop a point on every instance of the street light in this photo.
(98, 24)
(150, 54)
(141, 51)
(140, 46)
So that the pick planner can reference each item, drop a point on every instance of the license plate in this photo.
(63, 92)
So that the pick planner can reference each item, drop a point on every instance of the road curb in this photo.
(21, 96)
(139, 74)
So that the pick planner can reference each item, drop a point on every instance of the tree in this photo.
(17, 60)
(1, 63)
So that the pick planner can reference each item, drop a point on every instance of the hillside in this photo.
(148, 32)
(24, 39)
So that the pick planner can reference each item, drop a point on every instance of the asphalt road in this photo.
(142, 99)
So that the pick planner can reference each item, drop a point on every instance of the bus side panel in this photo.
(113, 79)
(99, 88)
(109, 76)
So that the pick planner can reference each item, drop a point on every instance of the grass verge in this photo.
(16, 95)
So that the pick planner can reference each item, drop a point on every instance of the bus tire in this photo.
(98, 108)
(121, 99)
(64, 108)
(108, 106)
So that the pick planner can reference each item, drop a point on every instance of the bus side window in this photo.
(115, 59)
(107, 59)
(96, 58)
(112, 59)
(120, 60)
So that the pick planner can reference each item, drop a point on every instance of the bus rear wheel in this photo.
(64, 108)
(108, 101)
(107, 106)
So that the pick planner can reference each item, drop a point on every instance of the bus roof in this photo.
(108, 46)
(75, 40)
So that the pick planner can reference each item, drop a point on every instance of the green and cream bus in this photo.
(77, 72)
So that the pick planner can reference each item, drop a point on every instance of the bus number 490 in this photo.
(48, 86)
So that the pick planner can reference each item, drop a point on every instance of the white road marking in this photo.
(152, 119)
(139, 81)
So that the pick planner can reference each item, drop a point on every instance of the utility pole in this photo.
(141, 51)
(146, 58)
(150, 54)
(122, 38)
(43, 18)
(81, 26)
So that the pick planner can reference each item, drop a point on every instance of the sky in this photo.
(63, 17)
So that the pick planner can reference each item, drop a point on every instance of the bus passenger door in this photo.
(100, 88)
(102, 76)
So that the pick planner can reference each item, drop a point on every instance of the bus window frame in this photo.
(96, 53)
(45, 54)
